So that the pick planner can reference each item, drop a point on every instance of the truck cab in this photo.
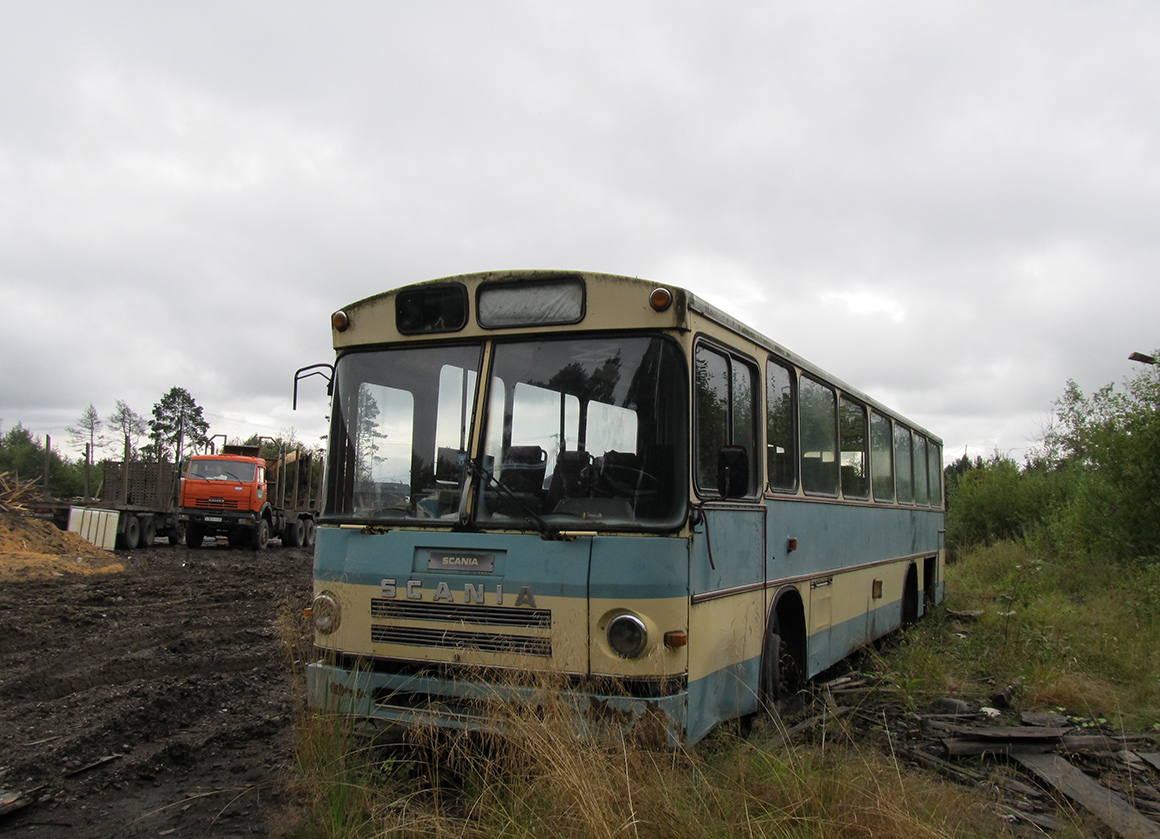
(227, 495)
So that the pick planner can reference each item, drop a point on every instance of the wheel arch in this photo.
(787, 617)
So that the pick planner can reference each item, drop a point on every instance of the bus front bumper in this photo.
(415, 700)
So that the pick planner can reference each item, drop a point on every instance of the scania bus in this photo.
(610, 480)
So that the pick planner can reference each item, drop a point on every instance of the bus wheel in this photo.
(780, 676)
(148, 531)
(308, 537)
(176, 534)
(910, 599)
(132, 535)
(193, 536)
(261, 535)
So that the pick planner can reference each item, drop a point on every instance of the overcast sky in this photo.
(953, 206)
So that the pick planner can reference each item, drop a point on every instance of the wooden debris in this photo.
(1151, 757)
(1100, 801)
(1048, 719)
(793, 731)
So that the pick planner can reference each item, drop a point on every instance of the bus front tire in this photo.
(780, 675)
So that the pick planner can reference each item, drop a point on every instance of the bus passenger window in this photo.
(934, 468)
(921, 494)
(852, 428)
(781, 436)
(725, 413)
(819, 426)
(903, 458)
(881, 457)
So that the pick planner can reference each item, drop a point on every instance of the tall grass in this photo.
(1075, 633)
(539, 779)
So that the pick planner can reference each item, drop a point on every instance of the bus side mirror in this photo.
(732, 472)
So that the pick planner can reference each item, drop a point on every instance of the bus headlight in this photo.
(326, 613)
(627, 636)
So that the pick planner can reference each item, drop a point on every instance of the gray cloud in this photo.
(947, 205)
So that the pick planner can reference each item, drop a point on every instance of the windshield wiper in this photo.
(475, 468)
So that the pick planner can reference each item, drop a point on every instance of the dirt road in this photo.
(154, 702)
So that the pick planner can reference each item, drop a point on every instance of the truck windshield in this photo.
(222, 470)
(579, 433)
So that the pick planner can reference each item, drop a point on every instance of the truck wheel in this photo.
(148, 531)
(176, 534)
(308, 534)
(294, 533)
(193, 536)
(261, 535)
(131, 536)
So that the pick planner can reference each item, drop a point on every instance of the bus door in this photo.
(727, 616)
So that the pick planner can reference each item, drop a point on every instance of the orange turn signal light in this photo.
(676, 638)
(340, 321)
(660, 299)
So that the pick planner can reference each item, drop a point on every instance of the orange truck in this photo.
(250, 499)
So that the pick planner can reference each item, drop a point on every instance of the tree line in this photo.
(175, 429)
(1092, 488)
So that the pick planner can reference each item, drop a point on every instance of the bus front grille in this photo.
(458, 613)
(462, 640)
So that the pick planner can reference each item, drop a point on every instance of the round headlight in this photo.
(627, 636)
(326, 613)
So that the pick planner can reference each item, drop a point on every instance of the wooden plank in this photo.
(1009, 733)
(965, 747)
(1098, 800)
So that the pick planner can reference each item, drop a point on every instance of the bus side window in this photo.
(780, 433)
(725, 413)
(903, 459)
(934, 467)
(921, 474)
(881, 457)
(852, 435)
(819, 426)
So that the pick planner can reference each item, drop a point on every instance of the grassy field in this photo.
(1074, 639)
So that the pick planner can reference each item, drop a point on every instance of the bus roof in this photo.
(541, 301)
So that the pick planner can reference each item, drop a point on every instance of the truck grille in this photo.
(461, 638)
(217, 503)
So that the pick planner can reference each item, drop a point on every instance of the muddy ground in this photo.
(157, 701)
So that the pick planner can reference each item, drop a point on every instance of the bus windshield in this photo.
(582, 433)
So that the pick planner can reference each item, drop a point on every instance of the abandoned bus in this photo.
(610, 480)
